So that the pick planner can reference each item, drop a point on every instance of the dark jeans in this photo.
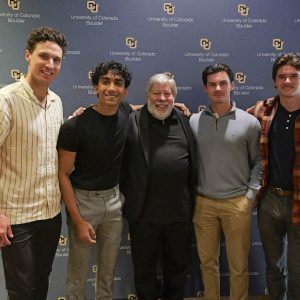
(175, 240)
(281, 244)
(28, 260)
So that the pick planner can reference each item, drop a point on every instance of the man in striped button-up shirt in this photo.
(30, 118)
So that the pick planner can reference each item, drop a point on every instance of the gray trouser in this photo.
(103, 210)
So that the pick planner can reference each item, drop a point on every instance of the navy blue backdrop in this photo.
(150, 37)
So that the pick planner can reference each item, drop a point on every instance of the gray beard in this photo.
(158, 115)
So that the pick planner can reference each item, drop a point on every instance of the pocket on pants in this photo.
(243, 204)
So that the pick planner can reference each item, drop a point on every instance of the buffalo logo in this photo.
(14, 4)
(92, 6)
(240, 77)
(205, 44)
(132, 297)
(277, 44)
(169, 8)
(62, 240)
(16, 74)
(243, 10)
(131, 42)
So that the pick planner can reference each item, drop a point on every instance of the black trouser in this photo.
(175, 240)
(28, 260)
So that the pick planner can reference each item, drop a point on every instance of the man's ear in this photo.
(95, 88)
(27, 55)
(232, 85)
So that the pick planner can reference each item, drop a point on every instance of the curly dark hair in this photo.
(44, 34)
(111, 66)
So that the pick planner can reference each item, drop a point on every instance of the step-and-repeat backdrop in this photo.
(182, 37)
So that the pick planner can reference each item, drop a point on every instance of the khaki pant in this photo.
(234, 217)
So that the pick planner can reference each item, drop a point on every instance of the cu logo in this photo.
(131, 42)
(16, 74)
(62, 240)
(240, 77)
(266, 292)
(13, 4)
(205, 44)
(169, 8)
(90, 74)
(201, 107)
(95, 268)
(277, 44)
(92, 6)
(243, 10)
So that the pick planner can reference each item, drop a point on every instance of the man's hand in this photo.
(183, 108)
(258, 197)
(5, 231)
(254, 203)
(79, 111)
(85, 232)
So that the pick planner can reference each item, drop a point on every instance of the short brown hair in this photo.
(44, 34)
(290, 59)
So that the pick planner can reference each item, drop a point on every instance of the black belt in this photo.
(279, 191)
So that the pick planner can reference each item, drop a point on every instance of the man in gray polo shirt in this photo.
(229, 178)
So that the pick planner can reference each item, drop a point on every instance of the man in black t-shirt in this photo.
(90, 150)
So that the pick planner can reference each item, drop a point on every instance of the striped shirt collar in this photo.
(29, 91)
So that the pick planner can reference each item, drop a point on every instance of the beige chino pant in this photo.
(234, 217)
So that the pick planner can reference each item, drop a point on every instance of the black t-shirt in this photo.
(168, 199)
(98, 142)
(282, 148)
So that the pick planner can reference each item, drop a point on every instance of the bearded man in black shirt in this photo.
(158, 180)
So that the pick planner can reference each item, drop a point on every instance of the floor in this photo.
(227, 298)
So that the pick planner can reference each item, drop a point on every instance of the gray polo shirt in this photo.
(229, 155)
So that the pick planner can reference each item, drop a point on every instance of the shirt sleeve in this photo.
(256, 110)
(5, 119)
(125, 106)
(69, 135)
(254, 183)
